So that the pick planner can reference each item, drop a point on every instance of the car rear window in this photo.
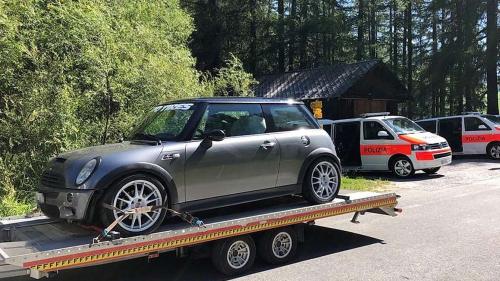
(285, 117)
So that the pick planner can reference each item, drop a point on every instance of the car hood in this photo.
(422, 138)
(87, 153)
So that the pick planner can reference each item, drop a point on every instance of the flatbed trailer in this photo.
(40, 247)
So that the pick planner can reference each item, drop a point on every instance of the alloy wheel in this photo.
(324, 180)
(403, 167)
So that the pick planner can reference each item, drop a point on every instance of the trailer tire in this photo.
(235, 255)
(402, 167)
(493, 150)
(278, 246)
(317, 181)
(126, 227)
(431, 171)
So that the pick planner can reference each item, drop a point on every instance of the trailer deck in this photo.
(39, 246)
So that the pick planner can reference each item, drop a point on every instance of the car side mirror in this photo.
(215, 135)
(482, 127)
(383, 134)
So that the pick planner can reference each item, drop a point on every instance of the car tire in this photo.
(278, 246)
(493, 150)
(235, 255)
(431, 171)
(402, 167)
(316, 185)
(122, 195)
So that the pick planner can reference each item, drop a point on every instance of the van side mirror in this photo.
(215, 135)
(383, 134)
(482, 127)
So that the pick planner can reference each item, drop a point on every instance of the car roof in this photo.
(452, 116)
(368, 118)
(236, 100)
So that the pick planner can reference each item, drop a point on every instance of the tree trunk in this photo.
(373, 30)
(409, 35)
(492, 57)
(291, 45)
(434, 71)
(360, 48)
(303, 34)
(395, 38)
(253, 35)
(281, 36)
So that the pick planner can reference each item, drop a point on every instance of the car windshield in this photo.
(493, 118)
(403, 125)
(165, 122)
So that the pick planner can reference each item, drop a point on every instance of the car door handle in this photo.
(268, 144)
(171, 156)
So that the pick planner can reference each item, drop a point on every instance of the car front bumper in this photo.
(69, 204)
(432, 159)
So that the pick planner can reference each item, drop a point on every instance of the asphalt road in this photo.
(449, 230)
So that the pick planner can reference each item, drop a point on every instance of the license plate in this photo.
(40, 198)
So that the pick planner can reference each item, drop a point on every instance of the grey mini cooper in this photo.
(193, 155)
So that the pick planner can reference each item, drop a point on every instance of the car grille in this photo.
(441, 155)
(438, 145)
(51, 179)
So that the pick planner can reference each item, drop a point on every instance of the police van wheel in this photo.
(432, 170)
(402, 167)
(493, 150)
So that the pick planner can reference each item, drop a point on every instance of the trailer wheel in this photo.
(493, 150)
(278, 246)
(322, 181)
(234, 255)
(431, 170)
(402, 167)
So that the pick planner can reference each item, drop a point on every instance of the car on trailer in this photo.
(381, 142)
(468, 134)
(193, 155)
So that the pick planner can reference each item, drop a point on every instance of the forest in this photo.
(444, 51)
(81, 73)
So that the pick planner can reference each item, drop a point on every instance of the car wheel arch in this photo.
(395, 156)
(311, 158)
(120, 173)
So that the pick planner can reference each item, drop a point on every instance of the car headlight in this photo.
(420, 147)
(86, 171)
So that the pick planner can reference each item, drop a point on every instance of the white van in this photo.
(470, 133)
(380, 142)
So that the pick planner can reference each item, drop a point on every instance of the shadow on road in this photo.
(320, 241)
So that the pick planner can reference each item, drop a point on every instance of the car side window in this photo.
(429, 126)
(233, 119)
(285, 117)
(371, 130)
(475, 124)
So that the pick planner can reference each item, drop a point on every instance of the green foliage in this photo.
(230, 80)
(67, 65)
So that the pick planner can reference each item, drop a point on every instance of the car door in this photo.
(451, 130)
(375, 150)
(246, 160)
(476, 135)
(295, 129)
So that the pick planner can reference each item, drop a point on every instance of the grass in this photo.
(365, 184)
(9, 206)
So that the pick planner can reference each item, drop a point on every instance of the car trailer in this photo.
(41, 247)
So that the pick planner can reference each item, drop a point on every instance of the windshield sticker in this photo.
(175, 106)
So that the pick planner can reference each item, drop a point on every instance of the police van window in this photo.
(371, 129)
(429, 126)
(475, 124)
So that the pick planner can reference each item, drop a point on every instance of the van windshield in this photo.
(164, 122)
(493, 118)
(403, 125)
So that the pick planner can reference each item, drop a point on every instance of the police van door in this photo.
(476, 135)
(375, 148)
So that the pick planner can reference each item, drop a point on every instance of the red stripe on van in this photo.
(429, 155)
(385, 149)
(480, 138)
